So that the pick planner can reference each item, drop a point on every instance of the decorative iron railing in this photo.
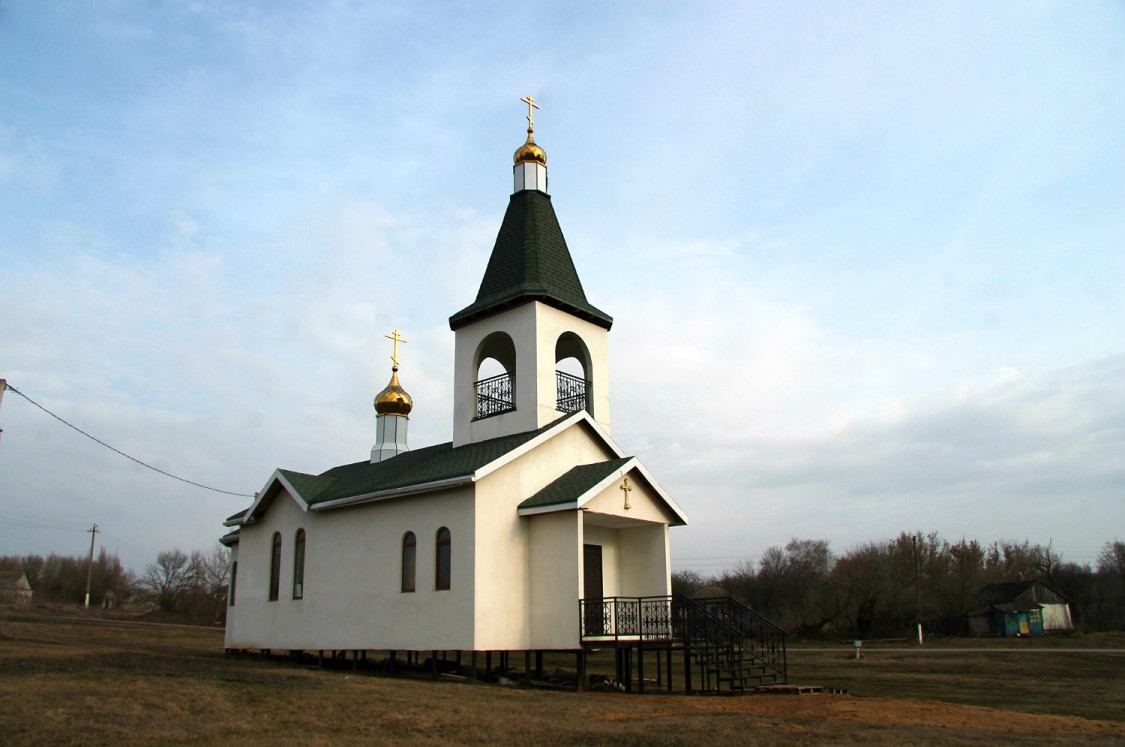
(495, 395)
(572, 392)
(632, 618)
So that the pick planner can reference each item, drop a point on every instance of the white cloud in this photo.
(1019, 458)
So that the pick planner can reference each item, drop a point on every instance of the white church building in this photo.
(489, 542)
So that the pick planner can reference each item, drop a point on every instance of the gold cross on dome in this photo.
(531, 105)
(626, 488)
(397, 337)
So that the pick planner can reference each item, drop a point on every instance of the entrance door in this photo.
(592, 589)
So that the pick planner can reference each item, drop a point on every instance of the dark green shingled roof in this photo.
(574, 483)
(530, 262)
(410, 468)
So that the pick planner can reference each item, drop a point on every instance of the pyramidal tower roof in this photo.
(530, 260)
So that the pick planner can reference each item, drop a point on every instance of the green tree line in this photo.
(874, 589)
(194, 585)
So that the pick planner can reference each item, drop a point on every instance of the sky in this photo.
(865, 260)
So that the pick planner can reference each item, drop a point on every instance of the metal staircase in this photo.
(727, 647)
(733, 648)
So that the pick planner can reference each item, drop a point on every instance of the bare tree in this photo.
(1008, 560)
(214, 575)
(170, 578)
(687, 582)
(1111, 559)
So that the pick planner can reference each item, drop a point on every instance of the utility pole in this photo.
(3, 388)
(90, 563)
(917, 584)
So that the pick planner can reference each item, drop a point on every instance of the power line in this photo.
(9, 387)
(144, 550)
(21, 520)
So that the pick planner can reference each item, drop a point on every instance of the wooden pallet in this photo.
(798, 690)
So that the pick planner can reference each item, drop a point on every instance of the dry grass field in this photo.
(69, 682)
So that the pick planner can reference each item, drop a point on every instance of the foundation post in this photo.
(641, 668)
(580, 665)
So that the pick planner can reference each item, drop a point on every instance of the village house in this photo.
(14, 588)
(1020, 608)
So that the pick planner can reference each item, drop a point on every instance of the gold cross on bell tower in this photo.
(626, 488)
(397, 337)
(531, 106)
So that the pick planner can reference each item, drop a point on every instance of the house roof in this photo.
(431, 466)
(442, 466)
(410, 468)
(11, 580)
(1021, 591)
(530, 262)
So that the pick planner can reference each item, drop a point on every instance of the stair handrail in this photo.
(720, 640)
(766, 639)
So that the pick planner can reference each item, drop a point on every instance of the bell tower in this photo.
(531, 348)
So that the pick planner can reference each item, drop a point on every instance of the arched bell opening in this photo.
(573, 378)
(495, 384)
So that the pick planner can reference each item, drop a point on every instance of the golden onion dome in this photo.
(393, 400)
(529, 151)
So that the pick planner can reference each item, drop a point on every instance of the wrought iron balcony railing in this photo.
(644, 618)
(572, 392)
(495, 395)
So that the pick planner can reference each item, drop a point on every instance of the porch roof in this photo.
(574, 483)
(578, 485)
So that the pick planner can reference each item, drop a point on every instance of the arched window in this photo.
(444, 555)
(572, 374)
(233, 578)
(495, 363)
(299, 565)
(409, 551)
(275, 567)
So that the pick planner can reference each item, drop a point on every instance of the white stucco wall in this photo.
(551, 324)
(352, 597)
(505, 550)
(519, 324)
(644, 561)
(555, 579)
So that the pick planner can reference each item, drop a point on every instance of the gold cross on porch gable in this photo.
(626, 488)
(397, 337)
(531, 105)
